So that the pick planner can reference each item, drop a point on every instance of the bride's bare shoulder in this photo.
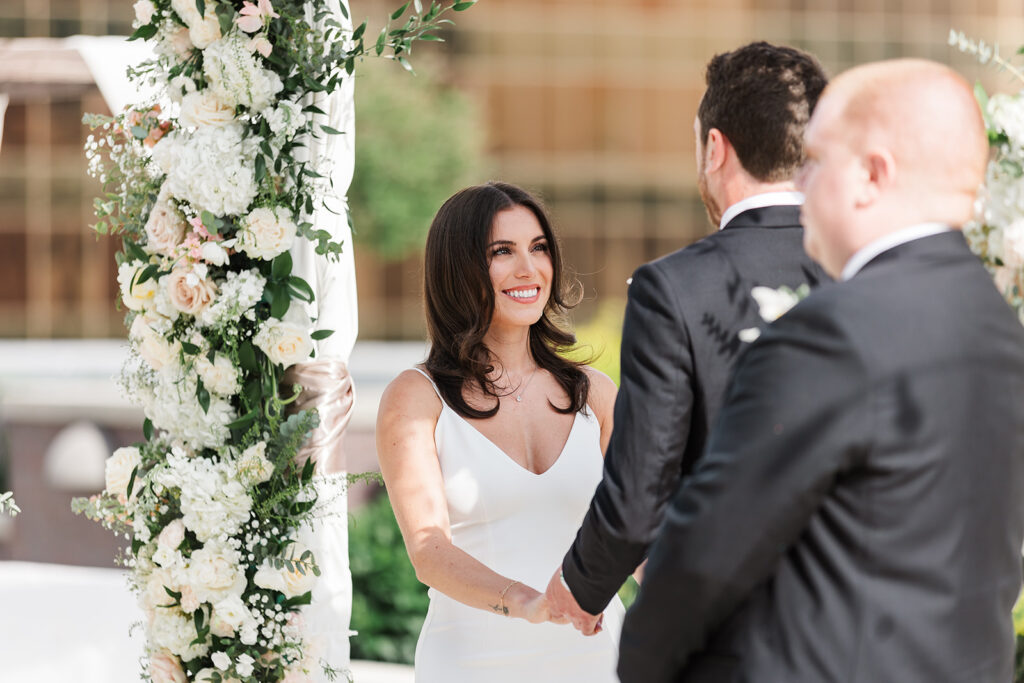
(411, 394)
(602, 392)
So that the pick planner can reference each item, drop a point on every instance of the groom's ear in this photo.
(715, 150)
(878, 173)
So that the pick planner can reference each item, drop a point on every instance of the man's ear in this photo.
(716, 149)
(878, 173)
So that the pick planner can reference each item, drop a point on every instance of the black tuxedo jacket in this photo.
(679, 346)
(859, 512)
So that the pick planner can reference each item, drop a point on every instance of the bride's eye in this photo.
(499, 251)
(540, 246)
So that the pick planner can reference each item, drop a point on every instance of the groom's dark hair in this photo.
(761, 97)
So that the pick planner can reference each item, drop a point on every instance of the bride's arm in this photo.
(408, 414)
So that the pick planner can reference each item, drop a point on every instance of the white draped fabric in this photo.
(334, 308)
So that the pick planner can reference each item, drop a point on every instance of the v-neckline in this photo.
(506, 456)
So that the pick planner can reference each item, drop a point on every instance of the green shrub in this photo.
(600, 338)
(388, 603)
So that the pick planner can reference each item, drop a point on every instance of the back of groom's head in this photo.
(761, 97)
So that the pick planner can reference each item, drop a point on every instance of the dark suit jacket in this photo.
(859, 512)
(679, 346)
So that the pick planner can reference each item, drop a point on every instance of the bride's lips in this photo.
(527, 294)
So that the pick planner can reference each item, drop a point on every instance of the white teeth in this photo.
(523, 293)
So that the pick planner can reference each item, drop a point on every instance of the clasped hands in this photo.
(563, 608)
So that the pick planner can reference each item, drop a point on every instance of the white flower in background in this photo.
(172, 535)
(202, 108)
(172, 40)
(144, 11)
(174, 631)
(179, 86)
(773, 303)
(153, 347)
(119, 468)
(164, 667)
(1012, 251)
(239, 293)
(213, 501)
(284, 120)
(189, 288)
(135, 295)
(234, 75)
(215, 572)
(165, 227)
(140, 530)
(253, 465)
(1006, 114)
(211, 168)
(285, 343)
(265, 234)
(284, 580)
(220, 376)
(174, 407)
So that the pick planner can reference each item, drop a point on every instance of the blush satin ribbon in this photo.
(327, 387)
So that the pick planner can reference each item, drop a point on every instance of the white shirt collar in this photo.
(887, 242)
(759, 201)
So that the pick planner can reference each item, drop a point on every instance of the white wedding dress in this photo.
(519, 524)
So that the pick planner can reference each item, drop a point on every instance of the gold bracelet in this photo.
(501, 598)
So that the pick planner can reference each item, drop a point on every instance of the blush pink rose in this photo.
(188, 292)
(165, 668)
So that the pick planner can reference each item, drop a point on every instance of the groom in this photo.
(859, 512)
(685, 312)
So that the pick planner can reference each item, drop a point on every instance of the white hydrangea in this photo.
(175, 408)
(213, 501)
(173, 630)
(212, 168)
(235, 77)
(239, 293)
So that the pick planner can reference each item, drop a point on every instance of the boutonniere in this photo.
(772, 304)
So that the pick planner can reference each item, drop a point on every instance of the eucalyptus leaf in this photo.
(399, 12)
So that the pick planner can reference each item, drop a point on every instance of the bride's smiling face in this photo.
(519, 261)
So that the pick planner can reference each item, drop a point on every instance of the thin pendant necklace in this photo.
(519, 396)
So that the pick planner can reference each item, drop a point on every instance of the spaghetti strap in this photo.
(431, 380)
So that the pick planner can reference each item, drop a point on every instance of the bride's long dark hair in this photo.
(459, 300)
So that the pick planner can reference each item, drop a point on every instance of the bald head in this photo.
(925, 114)
(890, 145)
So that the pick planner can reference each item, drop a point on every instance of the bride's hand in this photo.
(530, 604)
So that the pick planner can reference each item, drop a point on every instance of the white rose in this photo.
(180, 86)
(229, 614)
(202, 108)
(243, 665)
(166, 668)
(188, 292)
(253, 465)
(291, 583)
(220, 376)
(773, 303)
(285, 343)
(144, 11)
(172, 535)
(214, 254)
(265, 234)
(221, 660)
(186, 11)
(119, 470)
(165, 228)
(206, 32)
(215, 573)
(135, 295)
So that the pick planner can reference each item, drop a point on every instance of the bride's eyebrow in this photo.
(501, 242)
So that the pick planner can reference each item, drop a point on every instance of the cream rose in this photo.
(180, 42)
(135, 295)
(228, 616)
(214, 574)
(172, 535)
(188, 290)
(144, 11)
(202, 108)
(265, 234)
(289, 582)
(155, 594)
(153, 348)
(285, 343)
(119, 468)
(205, 32)
(165, 228)
(166, 668)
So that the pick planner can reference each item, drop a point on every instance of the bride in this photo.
(492, 449)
